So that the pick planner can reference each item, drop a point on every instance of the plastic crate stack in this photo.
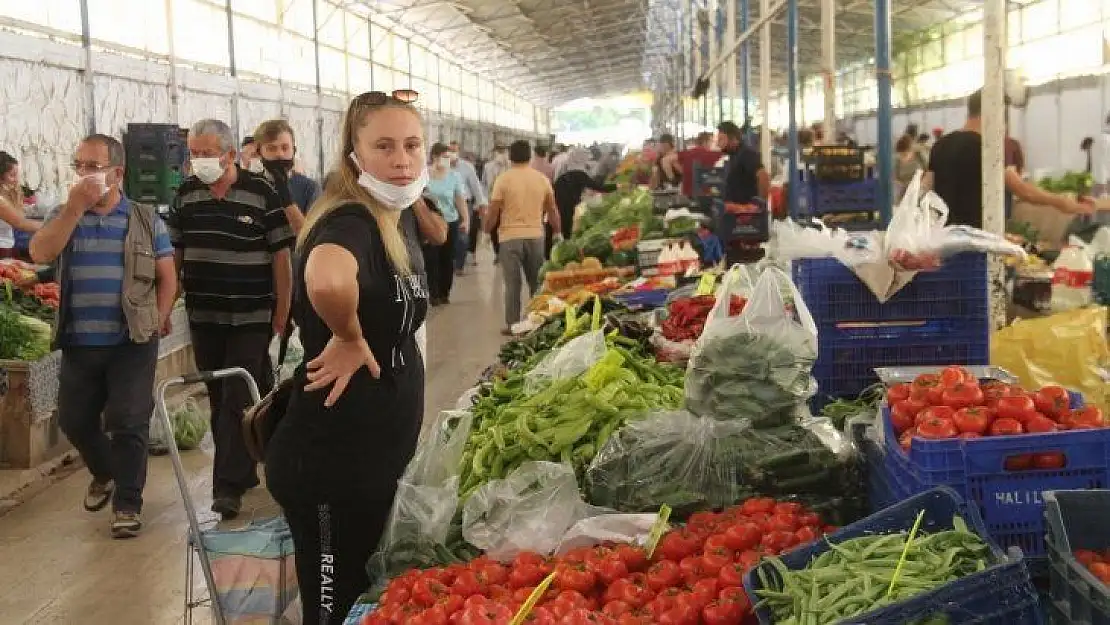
(155, 162)
(709, 186)
(990, 472)
(939, 318)
(1002, 594)
(1076, 520)
(837, 183)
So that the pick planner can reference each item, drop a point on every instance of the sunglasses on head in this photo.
(378, 98)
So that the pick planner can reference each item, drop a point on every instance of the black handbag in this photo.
(260, 421)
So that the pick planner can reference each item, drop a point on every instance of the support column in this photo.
(745, 62)
(828, 65)
(885, 141)
(718, 51)
(175, 89)
(90, 86)
(234, 121)
(765, 83)
(730, 65)
(792, 103)
(994, 142)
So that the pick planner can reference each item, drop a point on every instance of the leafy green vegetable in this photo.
(22, 337)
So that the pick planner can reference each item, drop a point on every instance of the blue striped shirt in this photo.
(95, 285)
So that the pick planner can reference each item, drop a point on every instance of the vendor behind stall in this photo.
(956, 174)
(745, 176)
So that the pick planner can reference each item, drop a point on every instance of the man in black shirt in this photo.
(956, 174)
(232, 240)
(745, 175)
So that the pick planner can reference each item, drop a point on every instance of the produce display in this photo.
(953, 403)
(1077, 182)
(1095, 562)
(863, 574)
(694, 576)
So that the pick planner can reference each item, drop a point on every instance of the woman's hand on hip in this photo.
(337, 363)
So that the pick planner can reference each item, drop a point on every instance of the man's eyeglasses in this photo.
(378, 98)
(79, 166)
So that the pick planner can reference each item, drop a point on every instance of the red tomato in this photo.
(525, 575)
(1021, 462)
(635, 558)
(434, 615)
(1086, 557)
(783, 523)
(717, 543)
(742, 536)
(952, 375)
(779, 541)
(926, 380)
(903, 413)
(734, 595)
(487, 614)
(936, 428)
(712, 563)
(732, 575)
(934, 412)
(693, 569)
(812, 519)
(705, 590)
(722, 613)
(1006, 426)
(1101, 570)
(540, 616)
(610, 569)
(971, 435)
(679, 615)
(1052, 401)
(584, 616)
(663, 574)
(897, 393)
(1016, 407)
(973, 419)
(757, 505)
(630, 590)
(962, 395)
(394, 595)
(427, 591)
(575, 576)
(750, 559)
(1040, 424)
(616, 608)
(676, 545)
(805, 535)
(789, 507)
(1049, 461)
(1089, 415)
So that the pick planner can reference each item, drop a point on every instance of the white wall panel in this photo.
(304, 122)
(43, 113)
(120, 101)
(254, 112)
(198, 105)
(333, 126)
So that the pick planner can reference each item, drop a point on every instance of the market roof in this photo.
(555, 51)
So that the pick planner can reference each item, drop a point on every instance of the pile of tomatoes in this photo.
(1098, 563)
(695, 577)
(953, 403)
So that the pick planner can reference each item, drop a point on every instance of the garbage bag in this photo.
(1067, 349)
(530, 510)
(694, 463)
(756, 365)
(421, 530)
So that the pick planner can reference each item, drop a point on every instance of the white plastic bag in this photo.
(294, 354)
(912, 226)
(574, 358)
(792, 241)
(530, 510)
(607, 528)
(758, 362)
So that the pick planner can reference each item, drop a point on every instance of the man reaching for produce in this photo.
(106, 246)
(956, 174)
(520, 199)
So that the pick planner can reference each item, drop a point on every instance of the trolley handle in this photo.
(195, 378)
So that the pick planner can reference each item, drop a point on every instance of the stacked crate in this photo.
(155, 162)
(939, 318)
(837, 183)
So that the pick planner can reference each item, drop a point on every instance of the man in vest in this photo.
(115, 265)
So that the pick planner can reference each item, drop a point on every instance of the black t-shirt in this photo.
(741, 175)
(956, 161)
(569, 189)
(365, 440)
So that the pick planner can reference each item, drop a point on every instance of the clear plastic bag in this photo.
(530, 510)
(911, 227)
(792, 241)
(572, 359)
(756, 365)
(695, 463)
(608, 528)
(294, 354)
(419, 528)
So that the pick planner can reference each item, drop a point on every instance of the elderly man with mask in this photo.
(232, 239)
(475, 199)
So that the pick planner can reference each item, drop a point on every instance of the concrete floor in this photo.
(58, 565)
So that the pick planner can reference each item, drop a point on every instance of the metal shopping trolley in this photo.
(248, 571)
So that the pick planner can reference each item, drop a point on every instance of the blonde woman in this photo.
(354, 418)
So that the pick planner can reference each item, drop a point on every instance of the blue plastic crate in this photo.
(22, 240)
(1002, 594)
(958, 290)
(1077, 520)
(848, 353)
(830, 198)
(653, 298)
(1010, 501)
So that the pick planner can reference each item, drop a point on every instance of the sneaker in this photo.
(98, 495)
(227, 506)
(126, 524)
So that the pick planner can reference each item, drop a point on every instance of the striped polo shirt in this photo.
(228, 247)
(94, 284)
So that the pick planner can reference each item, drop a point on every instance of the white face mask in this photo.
(393, 197)
(445, 162)
(101, 177)
(256, 166)
(208, 170)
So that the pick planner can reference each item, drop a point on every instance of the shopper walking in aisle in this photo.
(115, 264)
(492, 169)
(277, 149)
(12, 217)
(542, 164)
(232, 237)
(559, 161)
(570, 186)
(520, 200)
(476, 204)
(447, 191)
(354, 416)
(906, 165)
(608, 165)
(956, 174)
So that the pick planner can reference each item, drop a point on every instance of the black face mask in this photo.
(284, 163)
